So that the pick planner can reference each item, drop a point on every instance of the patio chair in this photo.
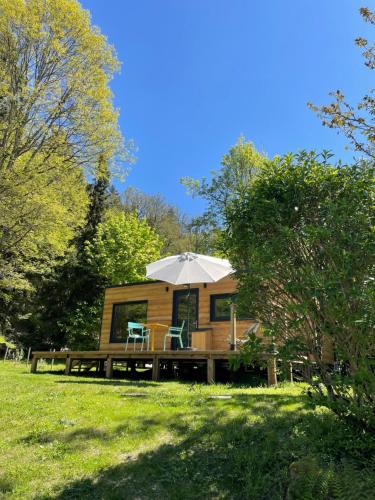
(174, 332)
(138, 331)
(252, 329)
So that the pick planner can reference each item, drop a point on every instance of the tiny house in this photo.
(159, 305)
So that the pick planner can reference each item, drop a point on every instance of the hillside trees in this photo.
(112, 248)
(164, 218)
(178, 232)
(228, 183)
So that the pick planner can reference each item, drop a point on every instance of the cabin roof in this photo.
(151, 282)
(134, 283)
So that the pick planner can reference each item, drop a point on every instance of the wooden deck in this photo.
(150, 357)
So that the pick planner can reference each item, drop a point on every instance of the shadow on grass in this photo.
(200, 405)
(213, 454)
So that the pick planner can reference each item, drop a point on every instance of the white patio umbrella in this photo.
(188, 268)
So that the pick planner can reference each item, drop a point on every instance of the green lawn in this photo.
(76, 437)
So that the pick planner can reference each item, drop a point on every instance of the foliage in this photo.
(38, 218)
(302, 240)
(122, 247)
(82, 327)
(45, 318)
(165, 219)
(8, 344)
(178, 232)
(89, 437)
(54, 72)
(98, 193)
(117, 253)
(355, 122)
(57, 123)
(230, 182)
(252, 351)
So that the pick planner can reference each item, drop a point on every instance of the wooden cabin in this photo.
(160, 305)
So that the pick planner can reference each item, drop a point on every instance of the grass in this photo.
(79, 437)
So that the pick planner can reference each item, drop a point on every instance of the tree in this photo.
(68, 307)
(178, 232)
(58, 302)
(301, 237)
(118, 254)
(355, 122)
(98, 194)
(122, 247)
(54, 72)
(229, 182)
(38, 219)
(166, 220)
(201, 237)
(57, 123)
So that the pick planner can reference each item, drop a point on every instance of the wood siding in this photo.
(160, 307)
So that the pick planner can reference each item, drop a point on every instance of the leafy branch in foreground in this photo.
(302, 241)
(355, 122)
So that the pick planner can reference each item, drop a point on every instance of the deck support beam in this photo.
(290, 372)
(109, 367)
(167, 358)
(155, 368)
(271, 371)
(34, 365)
(210, 371)
(68, 365)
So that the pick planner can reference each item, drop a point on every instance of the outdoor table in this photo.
(154, 328)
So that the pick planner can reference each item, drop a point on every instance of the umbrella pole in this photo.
(188, 316)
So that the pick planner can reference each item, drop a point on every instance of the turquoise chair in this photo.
(175, 332)
(138, 331)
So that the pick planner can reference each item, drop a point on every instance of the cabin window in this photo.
(122, 314)
(220, 307)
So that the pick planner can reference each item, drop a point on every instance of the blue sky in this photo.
(198, 73)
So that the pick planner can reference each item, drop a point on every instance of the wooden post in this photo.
(28, 356)
(68, 365)
(133, 369)
(233, 327)
(34, 364)
(210, 371)
(109, 367)
(291, 372)
(271, 371)
(307, 373)
(169, 365)
(155, 368)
